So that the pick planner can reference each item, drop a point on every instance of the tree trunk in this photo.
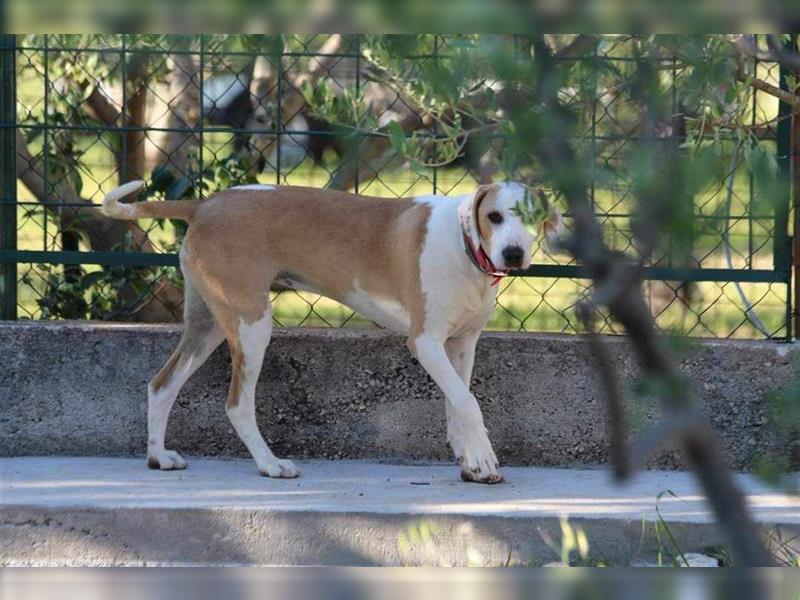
(179, 146)
(133, 166)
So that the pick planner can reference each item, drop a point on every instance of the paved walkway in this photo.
(356, 486)
(354, 498)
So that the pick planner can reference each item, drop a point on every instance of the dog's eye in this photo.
(495, 217)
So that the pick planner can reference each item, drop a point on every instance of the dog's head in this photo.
(491, 219)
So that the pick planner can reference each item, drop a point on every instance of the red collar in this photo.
(481, 260)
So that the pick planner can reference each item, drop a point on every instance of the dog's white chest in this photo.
(384, 311)
(461, 308)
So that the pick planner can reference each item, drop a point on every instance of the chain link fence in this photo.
(195, 114)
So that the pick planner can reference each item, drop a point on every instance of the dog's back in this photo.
(319, 239)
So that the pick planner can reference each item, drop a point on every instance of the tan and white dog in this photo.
(424, 267)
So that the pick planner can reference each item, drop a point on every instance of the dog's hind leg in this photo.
(248, 340)
(201, 335)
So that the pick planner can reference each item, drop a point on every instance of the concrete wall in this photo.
(78, 388)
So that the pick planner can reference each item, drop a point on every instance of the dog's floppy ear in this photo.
(553, 228)
(468, 212)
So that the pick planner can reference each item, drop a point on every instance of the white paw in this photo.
(479, 463)
(475, 455)
(166, 460)
(280, 468)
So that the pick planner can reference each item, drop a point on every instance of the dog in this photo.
(425, 267)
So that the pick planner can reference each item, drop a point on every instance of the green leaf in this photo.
(397, 136)
(91, 279)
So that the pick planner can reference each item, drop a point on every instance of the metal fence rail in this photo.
(81, 114)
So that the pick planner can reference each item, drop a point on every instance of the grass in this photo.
(527, 304)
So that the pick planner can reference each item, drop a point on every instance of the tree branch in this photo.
(134, 161)
(582, 44)
(101, 106)
(345, 175)
(772, 90)
(621, 292)
(746, 48)
(29, 173)
(790, 60)
(101, 231)
(320, 65)
(618, 454)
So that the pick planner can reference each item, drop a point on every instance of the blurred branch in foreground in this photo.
(617, 282)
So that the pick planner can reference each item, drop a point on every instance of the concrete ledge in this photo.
(112, 511)
(80, 388)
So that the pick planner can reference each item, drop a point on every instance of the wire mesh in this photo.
(195, 114)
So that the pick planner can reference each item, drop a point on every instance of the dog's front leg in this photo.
(461, 352)
(465, 429)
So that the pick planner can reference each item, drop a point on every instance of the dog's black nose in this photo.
(513, 256)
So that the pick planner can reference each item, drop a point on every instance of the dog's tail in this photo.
(172, 209)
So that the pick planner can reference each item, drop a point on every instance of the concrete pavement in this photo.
(114, 511)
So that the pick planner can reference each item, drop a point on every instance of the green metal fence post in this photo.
(8, 174)
(782, 242)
